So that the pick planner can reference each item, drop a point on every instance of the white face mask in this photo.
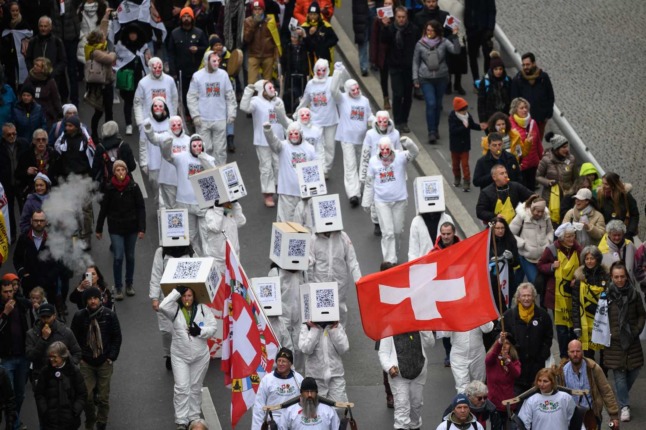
(176, 127)
(270, 90)
(196, 147)
(384, 150)
(321, 72)
(157, 69)
(304, 116)
(294, 137)
(158, 107)
(214, 61)
(382, 123)
(355, 91)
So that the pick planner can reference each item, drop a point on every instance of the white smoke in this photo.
(64, 211)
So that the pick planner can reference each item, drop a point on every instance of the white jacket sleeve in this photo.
(387, 354)
(351, 259)
(143, 153)
(238, 216)
(340, 75)
(412, 151)
(414, 241)
(169, 305)
(339, 339)
(365, 158)
(275, 144)
(174, 99)
(259, 402)
(213, 219)
(232, 104)
(305, 101)
(138, 105)
(308, 339)
(245, 101)
(192, 99)
(154, 289)
(210, 324)
(368, 192)
(428, 340)
(486, 328)
(281, 115)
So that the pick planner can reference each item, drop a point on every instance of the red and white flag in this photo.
(447, 290)
(249, 345)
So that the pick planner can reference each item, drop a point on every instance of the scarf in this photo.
(91, 8)
(89, 49)
(523, 122)
(399, 36)
(617, 252)
(532, 77)
(622, 297)
(120, 185)
(432, 43)
(94, 340)
(577, 382)
(526, 315)
(463, 117)
(15, 22)
(38, 76)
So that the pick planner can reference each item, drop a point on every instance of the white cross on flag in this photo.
(447, 290)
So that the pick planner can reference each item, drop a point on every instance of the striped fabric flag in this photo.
(249, 345)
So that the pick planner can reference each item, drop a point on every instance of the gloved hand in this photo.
(366, 209)
(577, 333)
(507, 255)
(144, 169)
(194, 330)
(250, 87)
(266, 126)
(181, 289)
(197, 122)
(231, 119)
(339, 66)
(147, 124)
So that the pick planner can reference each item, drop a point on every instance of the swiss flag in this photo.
(446, 290)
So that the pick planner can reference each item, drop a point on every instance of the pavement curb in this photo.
(424, 163)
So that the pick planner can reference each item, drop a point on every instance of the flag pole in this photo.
(492, 234)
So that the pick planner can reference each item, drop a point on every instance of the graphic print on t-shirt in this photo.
(158, 92)
(357, 113)
(386, 174)
(298, 157)
(213, 89)
(319, 99)
(194, 168)
(272, 116)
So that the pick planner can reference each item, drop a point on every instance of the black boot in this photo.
(231, 146)
(458, 85)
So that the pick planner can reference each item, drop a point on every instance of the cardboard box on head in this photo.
(173, 227)
(320, 302)
(311, 178)
(199, 274)
(326, 213)
(268, 293)
(223, 183)
(205, 188)
(429, 194)
(290, 245)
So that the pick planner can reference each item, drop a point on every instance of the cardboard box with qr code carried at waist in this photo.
(290, 245)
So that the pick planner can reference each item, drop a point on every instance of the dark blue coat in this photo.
(28, 119)
(459, 135)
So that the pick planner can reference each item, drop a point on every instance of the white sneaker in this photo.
(129, 130)
(625, 414)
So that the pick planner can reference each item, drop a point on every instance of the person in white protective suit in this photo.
(320, 95)
(290, 153)
(212, 104)
(149, 154)
(468, 356)
(386, 187)
(265, 107)
(332, 259)
(276, 387)
(195, 160)
(193, 323)
(155, 84)
(167, 172)
(381, 127)
(355, 115)
(323, 344)
(309, 413)
(312, 133)
(160, 259)
(403, 357)
(424, 230)
(222, 222)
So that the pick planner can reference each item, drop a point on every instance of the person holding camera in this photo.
(92, 278)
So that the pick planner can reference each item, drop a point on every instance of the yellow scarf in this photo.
(89, 49)
(563, 275)
(520, 121)
(555, 203)
(505, 209)
(526, 315)
(589, 299)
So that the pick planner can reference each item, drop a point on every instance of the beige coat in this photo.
(595, 229)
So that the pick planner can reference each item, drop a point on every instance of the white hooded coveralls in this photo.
(167, 172)
(468, 356)
(419, 240)
(220, 221)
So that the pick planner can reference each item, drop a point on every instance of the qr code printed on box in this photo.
(187, 270)
(277, 242)
(175, 220)
(209, 189)
(311, 174)
(296, 248)
(231, 177)
(267, 292)
(324, 298)
(327, 209)
(430, 190)
(306, 307)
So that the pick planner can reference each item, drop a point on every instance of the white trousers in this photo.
(268, 166)
(214, 136)
(334, 389)
(166, 330)
(351, 158)
(391, 221)
(408, 395)
(466, 369)
(189, 377)
(153, 181)
(329, 132)
(167, 195)
(286, 207)
(197, 226)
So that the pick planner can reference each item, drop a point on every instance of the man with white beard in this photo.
(320, 95)
(167, 172)
(149, 154)
(309, 413)
(155, 84)
(290, 153)
(266, 106)
(212, 104)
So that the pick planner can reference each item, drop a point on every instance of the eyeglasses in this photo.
(481, 398)
(41, 139)
(11, 134)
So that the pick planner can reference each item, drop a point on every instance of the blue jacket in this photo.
(27, 122)
(8, 101)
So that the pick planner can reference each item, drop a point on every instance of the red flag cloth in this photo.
(249, 346)
(447, 290)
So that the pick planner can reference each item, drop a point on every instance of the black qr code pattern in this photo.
(231, 177)
(324, 299)
(311, 174)
(296, 248)
(187, 270)
(278, 237)
(175, 220)
(209, 189)
(327, 209)
(306, 306)
(266, 291)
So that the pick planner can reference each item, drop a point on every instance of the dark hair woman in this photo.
(616, 202)
(40, 77)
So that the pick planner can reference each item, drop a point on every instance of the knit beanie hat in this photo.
(556, 140)
(459, 104)
(67, 107)
(74, 120)
(117, 164)
(314, 8)
(109, 129)
(90, 293)
(495, 60)
(285, 353)
(27, 88)
(43, 177)
(460, 399)
(186, 10)
(309, 384)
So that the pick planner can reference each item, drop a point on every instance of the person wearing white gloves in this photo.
(193, 324)
(222, 223)
(167, 172)
(386, 187)
(320, 95)
(424, 231)
(212, 104)
(160, 259)
(332, 259)
(155, 84)
(355, 115)
(468, 356)
(265, 107)
(149, 154)
(403, 357)
(276, 387)
(323, 344)
(290, 153)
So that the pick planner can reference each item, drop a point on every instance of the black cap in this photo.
(309, 384)
(46, 310)
(285, 353)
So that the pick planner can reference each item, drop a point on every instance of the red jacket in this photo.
(438, 243)
(301, 7)
(500, 382)
(544, 266)
(535, 153)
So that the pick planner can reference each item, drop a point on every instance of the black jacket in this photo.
(360, 21)
(126, 211)
(321, 43)
(7, 400)
(9, 348)
(400, 57)
(36, 347)
(489, 195)
(6, 169)
(48, 46)
(494, 95)
(27, 260)
(111, 147)
(179, 55)
(425, 15)
(110, 334)
(32, 10)
(459, 135)
(74, 159)
(60, 397)
(482, 173)
(480, 15)
(27, 160)
(540, 95)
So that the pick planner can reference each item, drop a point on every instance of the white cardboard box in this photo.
(205, 188)
(173, 227)
(229, 182)
(200, 274)
(290, 245)
(429, 194)
(320, 302)
(326, 213)
(268, 293)
(311, 178)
